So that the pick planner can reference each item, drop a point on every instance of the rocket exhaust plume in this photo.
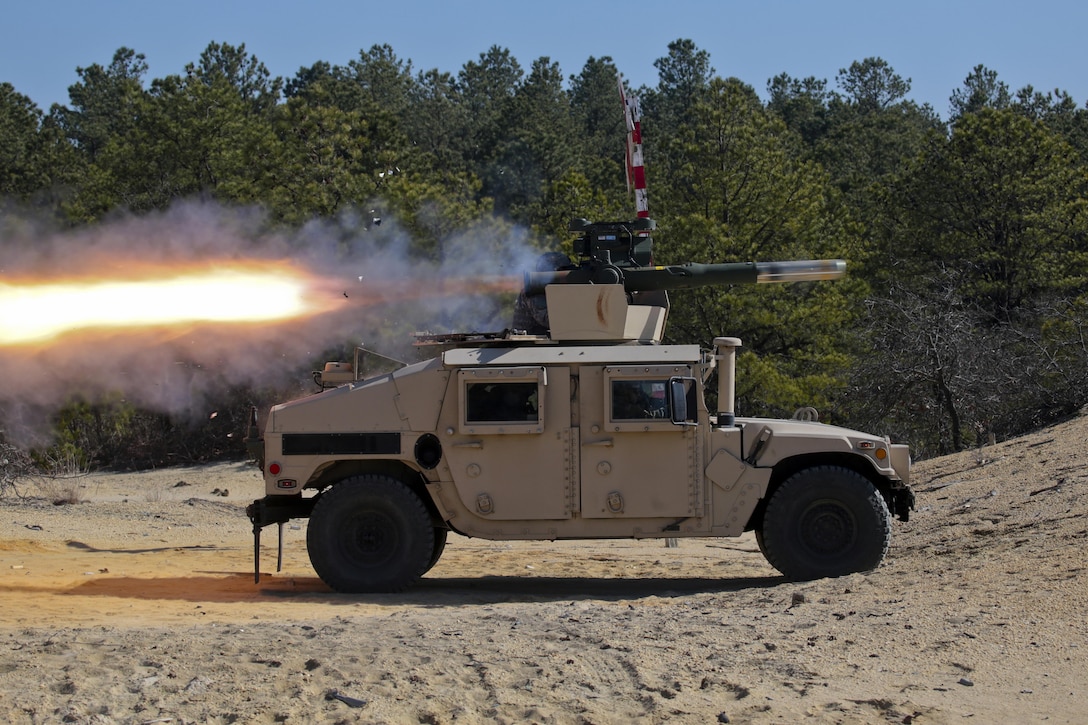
(41, 311)
(384, 291)
(170, 309)
(37, 311)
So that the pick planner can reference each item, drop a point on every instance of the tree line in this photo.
(964, 312)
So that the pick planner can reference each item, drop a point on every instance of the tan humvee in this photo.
(594, 430)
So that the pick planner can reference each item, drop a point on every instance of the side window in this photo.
(639, 399)
(636, 397)
(501, 401)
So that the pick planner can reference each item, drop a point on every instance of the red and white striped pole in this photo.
(636, 173)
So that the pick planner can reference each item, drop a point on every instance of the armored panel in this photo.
(337, 444)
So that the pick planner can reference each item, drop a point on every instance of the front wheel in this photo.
(370, 534)
(825, 521)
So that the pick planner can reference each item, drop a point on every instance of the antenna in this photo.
(636, 173)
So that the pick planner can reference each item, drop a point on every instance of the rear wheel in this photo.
(370, 534)
(440, 535)
(760, 544)
(825, 521)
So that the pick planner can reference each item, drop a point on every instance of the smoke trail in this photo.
(387, 293)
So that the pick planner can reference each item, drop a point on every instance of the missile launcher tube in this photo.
(684, 276)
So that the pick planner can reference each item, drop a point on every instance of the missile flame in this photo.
(40, 310)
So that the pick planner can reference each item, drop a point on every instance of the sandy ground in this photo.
(137, 605)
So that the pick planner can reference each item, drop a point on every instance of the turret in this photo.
(615, 292)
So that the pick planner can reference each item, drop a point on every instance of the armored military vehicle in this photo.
(588, 427)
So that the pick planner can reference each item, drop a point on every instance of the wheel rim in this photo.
(371, 539)
(828, 528)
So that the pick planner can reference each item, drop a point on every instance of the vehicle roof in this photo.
(571, 355)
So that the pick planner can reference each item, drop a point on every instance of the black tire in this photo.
(760, 544)
(440, 535)
(370, 534)
(825, 521)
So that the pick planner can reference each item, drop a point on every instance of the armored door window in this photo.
(497, 401)
(502, 400)
(636, 397)
(639, 399)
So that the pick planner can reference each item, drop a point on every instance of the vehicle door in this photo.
(634, 461)
(511, 452)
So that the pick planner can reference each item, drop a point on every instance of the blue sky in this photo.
(935, 44)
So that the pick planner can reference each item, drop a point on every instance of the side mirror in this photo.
(682, 401)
